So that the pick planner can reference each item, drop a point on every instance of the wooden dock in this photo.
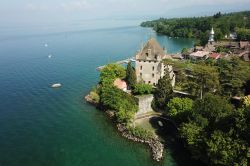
(132, 59)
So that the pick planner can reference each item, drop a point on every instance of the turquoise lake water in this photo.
(40, 126)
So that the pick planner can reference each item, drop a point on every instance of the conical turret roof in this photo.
(151, 50)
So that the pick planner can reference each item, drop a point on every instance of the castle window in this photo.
(141, 67)
(153, 68)
(147, 54)
(153, 75)
(155, 56)
(149, 51)
(149, 82)
(140, 74)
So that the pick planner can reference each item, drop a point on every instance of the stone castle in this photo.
(149, 65)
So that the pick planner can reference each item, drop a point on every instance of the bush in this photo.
(180, 109)
(94, 96)
(246, 101)
(141, 133)
(116, 99)
(110, 72)
(124, 116)
(142, 89)
(179, 105)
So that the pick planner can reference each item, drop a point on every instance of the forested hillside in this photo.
(199, 27)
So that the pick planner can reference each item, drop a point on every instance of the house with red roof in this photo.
(214, 55)
(121, 84)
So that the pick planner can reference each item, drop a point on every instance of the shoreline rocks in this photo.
(90, 100)
(155, 145)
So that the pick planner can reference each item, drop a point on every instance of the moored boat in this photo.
(57, 85)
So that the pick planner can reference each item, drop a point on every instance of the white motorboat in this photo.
(57, 85)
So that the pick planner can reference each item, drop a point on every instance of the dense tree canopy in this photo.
(179, 108)
(233, 75)
(113, 98)
(204, 79)
(216, 133)
(199, 27)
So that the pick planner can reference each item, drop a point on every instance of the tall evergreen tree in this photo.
(130, 76)
(163, 92)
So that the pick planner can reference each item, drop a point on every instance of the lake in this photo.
(56, 127)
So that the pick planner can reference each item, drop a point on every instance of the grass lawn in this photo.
(144, 123)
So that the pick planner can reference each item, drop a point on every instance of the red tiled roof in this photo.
(120, 84)
(214, 55)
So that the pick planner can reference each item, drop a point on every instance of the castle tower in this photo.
(211, 36)
(149, 65)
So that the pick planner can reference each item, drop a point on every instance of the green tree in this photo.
(184, 51)
(163, 91)
(130, 76)
(180, 108)
(213, 108)
(110, 72)
(124, 116)
(206, 78)
(142, 89)
(233, 75)
(193, 136)
(218, 35)
(224, 150)
(243, 33)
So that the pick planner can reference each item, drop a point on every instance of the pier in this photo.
(132, 59)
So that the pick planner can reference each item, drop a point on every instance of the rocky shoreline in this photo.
(155, 145)
(89, 100)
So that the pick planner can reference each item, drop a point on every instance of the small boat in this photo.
(49, 56)
(46, 45)
(57, 85)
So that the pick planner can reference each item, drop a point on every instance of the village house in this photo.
(214, 55)
(199, 55)
(149, 65)
(120, 84)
